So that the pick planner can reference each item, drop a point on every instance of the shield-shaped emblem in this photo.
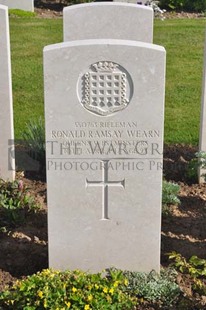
(105, 88)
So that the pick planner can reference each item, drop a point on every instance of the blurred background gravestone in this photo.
(7, 158)
(25, 5)
(107, 20)
(202, 140)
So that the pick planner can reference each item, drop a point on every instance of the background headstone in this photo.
(107, 20)
(25, 5)
(6, 106)
(104, 116)
(142, 2)
(202, 140)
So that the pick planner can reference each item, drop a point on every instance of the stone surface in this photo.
(104, 116)
(202, 140)
(108, 20)
(25, 5)
(6, 105)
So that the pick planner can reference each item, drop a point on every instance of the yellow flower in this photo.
(116, 283)
(105, 290)
(45, 303)
(90, 297)
(126, 282)
(96, 286)
(11, 301)
(40, 294)
(111, 291)
(109, 299)
(74, 289)
(68, 304)
(46, 272)
(17, 283)
(87, 307)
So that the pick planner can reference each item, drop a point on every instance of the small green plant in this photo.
(21, 13)
(14, 200)
(34, 137)
(155, 6)
(198, 162)
(195, 267)
(172, 4)
(185, 5)
(160, 288)
(169, 193)
(78, 290)
(192, 170)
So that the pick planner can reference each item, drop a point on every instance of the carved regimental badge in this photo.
(106, 88)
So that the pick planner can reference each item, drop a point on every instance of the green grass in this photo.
(184, 43)
(21, 13)
(28, 38)
(183, 40)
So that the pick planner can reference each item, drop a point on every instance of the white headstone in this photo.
(25, 5)
(108, 20)
(104, 114)
(202, 140)
(6, 105)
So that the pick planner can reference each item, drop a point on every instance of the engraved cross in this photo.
(105, 184)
